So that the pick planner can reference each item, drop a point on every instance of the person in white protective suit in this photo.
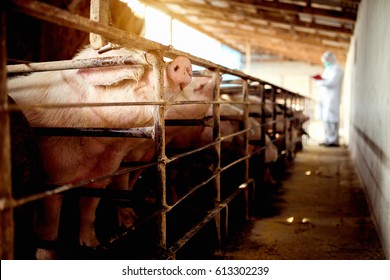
(329, 100)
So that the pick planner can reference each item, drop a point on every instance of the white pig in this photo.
(200, 89)
(70, 159)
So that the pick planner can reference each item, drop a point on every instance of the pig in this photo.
(185, 137)
(178, 137)
(271, 151)
(254, 123)
(227, 127)
(71, 159)
(296, 131)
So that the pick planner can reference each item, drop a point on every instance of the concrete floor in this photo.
(318, 211)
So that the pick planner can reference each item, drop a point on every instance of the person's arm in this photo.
(333, 79)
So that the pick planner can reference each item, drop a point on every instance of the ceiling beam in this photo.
(290, 43)
(276, 6)
(344, 16)
(271, 30)
(160, 6)
(261, 40)
(283, 37)
(204, 11)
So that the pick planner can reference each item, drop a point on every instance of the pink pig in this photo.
(200, 89)
(70, 159)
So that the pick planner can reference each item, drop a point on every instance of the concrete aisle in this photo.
(319, 211)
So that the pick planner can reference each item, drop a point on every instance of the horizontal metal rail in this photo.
(222, 205)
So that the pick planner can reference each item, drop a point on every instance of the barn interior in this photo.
(310, 202)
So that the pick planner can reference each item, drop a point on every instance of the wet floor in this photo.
(318, 211)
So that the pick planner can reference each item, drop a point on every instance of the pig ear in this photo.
(180, 71)
(107, 76)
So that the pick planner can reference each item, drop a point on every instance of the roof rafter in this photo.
(294, 29)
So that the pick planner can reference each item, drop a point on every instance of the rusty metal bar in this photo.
(144, 132)
(217, 150)
(61, 17)
(156, 60)
(245, 95)
(7, 216)
(212, 214)
(6, 203)
(263, 120)
(285, 122)
(100, 12)
(75, 64)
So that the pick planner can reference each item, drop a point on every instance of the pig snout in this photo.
(180, 71)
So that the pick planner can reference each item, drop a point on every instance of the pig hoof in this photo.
(126, 217)
(45, 254)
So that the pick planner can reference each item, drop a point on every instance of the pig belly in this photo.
(79, 159)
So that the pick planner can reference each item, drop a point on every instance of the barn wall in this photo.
(368, 83)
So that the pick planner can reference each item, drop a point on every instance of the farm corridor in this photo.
(318, 211)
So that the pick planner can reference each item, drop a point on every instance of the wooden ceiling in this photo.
(289, 29)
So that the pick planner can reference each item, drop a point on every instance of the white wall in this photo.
(368, 85)
(291, 75)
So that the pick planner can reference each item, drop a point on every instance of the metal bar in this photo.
(61, 17)
(6, 203)
(100, 12)
(7, 216)
(58, 16)
(75, 64)
(285, 122)
(186, 122)
(263, 120)
(245, 94)
(217, 150)
(144, 132)
(159, 130)
(212, 214)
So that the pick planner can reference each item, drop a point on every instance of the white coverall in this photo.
(329, 99)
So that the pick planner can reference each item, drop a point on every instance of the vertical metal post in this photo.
(156, 60)
(6, 216)
(273, 98)
(292, 108)
(246, 126)
(263, 120)
(217, 148)
(285, 121)
(100, 12)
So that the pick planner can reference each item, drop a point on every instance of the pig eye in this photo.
(200, 87)
(176, 68)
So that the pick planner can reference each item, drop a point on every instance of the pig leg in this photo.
(48, 220)
(88, 208)
(126, 215)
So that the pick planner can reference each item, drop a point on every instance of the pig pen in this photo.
(186, 199)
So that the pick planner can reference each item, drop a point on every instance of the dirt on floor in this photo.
(318, 211)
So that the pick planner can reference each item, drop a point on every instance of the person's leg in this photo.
(327, 133)
(332, 133)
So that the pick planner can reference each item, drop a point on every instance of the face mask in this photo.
(327, 64)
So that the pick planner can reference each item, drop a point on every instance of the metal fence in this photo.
(167, 238)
